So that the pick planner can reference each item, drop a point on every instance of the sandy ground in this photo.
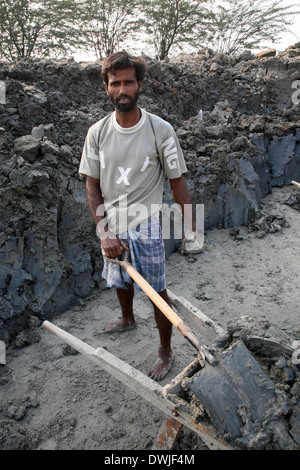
(53, 399)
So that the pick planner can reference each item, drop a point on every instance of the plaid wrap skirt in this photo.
(146, 254)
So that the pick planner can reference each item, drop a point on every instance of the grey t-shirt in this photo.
(130, 164)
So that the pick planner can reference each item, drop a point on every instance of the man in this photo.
(124, 159)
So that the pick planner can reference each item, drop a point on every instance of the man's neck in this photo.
(129, 119)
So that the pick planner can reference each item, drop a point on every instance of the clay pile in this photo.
(236, 119)
(252, 395)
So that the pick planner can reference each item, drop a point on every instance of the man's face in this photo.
(123, 89)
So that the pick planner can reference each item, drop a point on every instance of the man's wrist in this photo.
(105, 234)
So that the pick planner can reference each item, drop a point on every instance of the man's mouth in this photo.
(125, 103)
(124, 99)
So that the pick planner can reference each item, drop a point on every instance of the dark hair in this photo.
(123, 60)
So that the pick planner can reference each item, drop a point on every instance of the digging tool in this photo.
(231, 404)
(163, 397)
(296, 184)
(162, 305)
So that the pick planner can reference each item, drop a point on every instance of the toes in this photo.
(161, 369)
(117, 327)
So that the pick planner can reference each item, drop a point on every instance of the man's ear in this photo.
(140, 83)
(105, 87)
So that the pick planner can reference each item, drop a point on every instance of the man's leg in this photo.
(165, 355)
(125, 297)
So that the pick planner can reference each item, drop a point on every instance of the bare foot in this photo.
(118, 326)
(162, 366)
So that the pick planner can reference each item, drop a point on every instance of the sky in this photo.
(288, 39)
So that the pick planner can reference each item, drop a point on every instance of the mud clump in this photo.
(251, 394)
(235, 120)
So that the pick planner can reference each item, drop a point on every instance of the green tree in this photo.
(36, 28)
(109, 24)
(245, 24)
(174, 23)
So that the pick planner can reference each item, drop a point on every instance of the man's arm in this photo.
(182, 198)
(109, 242)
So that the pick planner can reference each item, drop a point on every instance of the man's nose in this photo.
(123, 89)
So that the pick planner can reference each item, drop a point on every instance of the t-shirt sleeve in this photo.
(170, 153)
(90, 160)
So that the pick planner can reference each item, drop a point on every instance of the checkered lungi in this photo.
(146, 254)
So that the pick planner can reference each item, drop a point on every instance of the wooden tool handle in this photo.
(154, 296)
(162, 305)
(296, 184)
(71, 340)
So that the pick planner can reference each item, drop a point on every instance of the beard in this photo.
(122, 107)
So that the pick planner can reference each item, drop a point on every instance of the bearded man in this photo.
(125, 157)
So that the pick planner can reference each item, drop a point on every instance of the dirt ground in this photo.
(53, 399)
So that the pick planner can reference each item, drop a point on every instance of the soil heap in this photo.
(237, 119)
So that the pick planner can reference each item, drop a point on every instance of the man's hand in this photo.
(193, 236)
(191, 244)
(112, 246)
